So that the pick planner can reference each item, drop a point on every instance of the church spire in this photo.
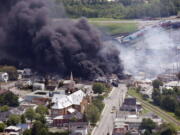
(71, 78)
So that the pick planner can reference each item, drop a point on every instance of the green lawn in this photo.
(145, 111)
(105, 19)
(116, 27)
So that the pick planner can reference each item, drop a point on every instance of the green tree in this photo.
(147, 132)
(98, 88)
(128, 133)
(92, 114)
(169, 103)
(156, 96)
(2, 127)
(41, 109)
(23, 118)
(30, 114)
(157, 83)
(99, 104)
(39, 129)
(168, 129)
(40, 118)
(148, 124)
(9, 99)
(4, 108)
(13, 120)
(177, 111)
(27, 132)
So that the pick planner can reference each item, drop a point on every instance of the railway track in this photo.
(158, 111)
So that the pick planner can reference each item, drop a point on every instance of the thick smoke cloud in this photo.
(156, 52)
(30, 39)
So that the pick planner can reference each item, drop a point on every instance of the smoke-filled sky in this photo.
(28, 38)
(152, 54)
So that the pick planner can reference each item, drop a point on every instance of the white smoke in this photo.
(151, 54)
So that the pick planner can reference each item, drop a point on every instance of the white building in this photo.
(13, 130)
(172, 84)
(4, 77)
(38, 86)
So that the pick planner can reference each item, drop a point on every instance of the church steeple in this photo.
(71, 84)
(71, 77)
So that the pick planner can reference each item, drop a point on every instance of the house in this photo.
(4, 77)
(23, 83)
(63, 104)
(154, 118)
(171, 84)
(130, 121)
(20, 74)
(129, 105)
(4, 133)
(16, 111)
(167, 77)
(38, 86)
(68, 107)
(64, 120)
(4, 116)
(52, 85)
(23, 127)
(25, 105)
(38, 97)
(27, 73)
(120, 129)
(13, 130)
(101, 79)
(79, 127)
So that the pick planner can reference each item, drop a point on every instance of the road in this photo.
(115, 98)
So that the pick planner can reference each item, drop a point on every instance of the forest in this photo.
(120, 9)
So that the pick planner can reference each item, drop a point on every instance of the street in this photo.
(115, 98)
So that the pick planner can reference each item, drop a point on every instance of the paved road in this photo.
(116, 98)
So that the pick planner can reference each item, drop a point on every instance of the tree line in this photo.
(167, 99)
(128, 9)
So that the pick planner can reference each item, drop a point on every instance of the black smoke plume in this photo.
(28, 38)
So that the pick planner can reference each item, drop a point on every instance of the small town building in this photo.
(38, 97)
(27, 73)
(64, 120)
(20, 74)
(64, 103)
(4, 77)
(133, 121)
(69, 85)
(130, 104)
(38, 86)
(4, 116)
(79, 127)
(23, 127)
(23, 84)
(172, 84)
(4, 133)
(13, 130)
(167, 77)
(120, 129)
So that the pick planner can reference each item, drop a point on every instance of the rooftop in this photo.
(63, 101)
(130, 101)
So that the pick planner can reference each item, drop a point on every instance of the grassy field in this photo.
(105, 19)
(169, 117)
(116, 27)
